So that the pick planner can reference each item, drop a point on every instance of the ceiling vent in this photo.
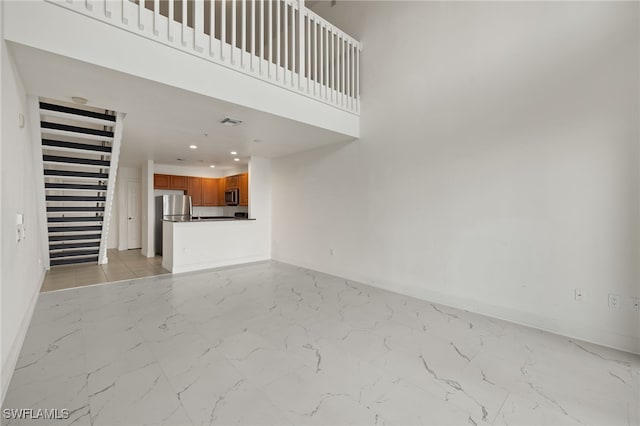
(230, 122)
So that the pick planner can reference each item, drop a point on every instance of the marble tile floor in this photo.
(269, 343)
(123, 265)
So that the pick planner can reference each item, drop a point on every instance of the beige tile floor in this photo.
(123, 265)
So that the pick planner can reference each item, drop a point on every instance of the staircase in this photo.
(80, 148)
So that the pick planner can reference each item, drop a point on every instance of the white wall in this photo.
(498, 168)
(21, 271)
(147, 209)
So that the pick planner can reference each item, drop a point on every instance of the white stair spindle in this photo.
(156, 17)
(141, 14)
(124, 4)
(243, 27)
(253, 31)
(358, 79)
(286, 41)
(293, 43)
(223, 28)
(261, 34)
(170, 20)
(233, 31)
(315, 57)
(107, 8)
(198, 23)
(270, 21)
(309, 21)
(184, 22)
(333, 66)
(212, 26)
(278, 40)
(326, 62)
(301, 18)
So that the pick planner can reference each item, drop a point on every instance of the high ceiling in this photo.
(162, 121)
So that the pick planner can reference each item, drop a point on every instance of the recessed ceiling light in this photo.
(234, 153)
(193, 146)
(213, 166)
(257, 141)
(79, 100)
(180, 159)
(236, 159)
(230, 121)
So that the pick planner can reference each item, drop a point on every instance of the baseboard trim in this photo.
(16, 346)
(570, 330)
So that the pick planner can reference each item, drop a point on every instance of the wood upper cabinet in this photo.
(179, 182)
(209, 192)
(161, 181)
(233, 181)
(244, 189)
(195, 189)
(222, 186)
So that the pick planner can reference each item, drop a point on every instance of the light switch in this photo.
(19, 219)
(21, 120)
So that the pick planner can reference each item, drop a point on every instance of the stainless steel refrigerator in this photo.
(170, 207)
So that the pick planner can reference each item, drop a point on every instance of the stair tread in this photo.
(74, 237)
(75, 174)
(54, 247)
(53, 107)
(70, 261)
(51, 143)
(74, 198)
(75, 129)
(55, 209)
(75, 160)
(76, 186)
(74, 228)
(73, 253)
(75, 219)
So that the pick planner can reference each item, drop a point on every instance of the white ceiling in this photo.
(162, 121)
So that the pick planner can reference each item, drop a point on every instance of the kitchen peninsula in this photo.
(192, 245)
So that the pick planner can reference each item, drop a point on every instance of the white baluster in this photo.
(286, 41)
(198, 23)
(326, 62)
(278, 40)
(270, 21)
(184, 22)
(358, 79)
(301, 14)
(212, 26)
(233, 31)
(348, 73)
(223, 28)
(244, 32)
(253, 31)
(141, 14)
(293, 43)
(107, 8)
(261, 34)
(333, 66)
(88, 4)
(309, 20)
(124, 11)
(321, 58)
(170, 21)
(315, 57)
(156, 17)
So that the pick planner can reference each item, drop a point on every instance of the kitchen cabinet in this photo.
(222, 186)
(232, 181)
(195, 189)
(210, 192)
(244, 189)
(179, 182)
(161, 181)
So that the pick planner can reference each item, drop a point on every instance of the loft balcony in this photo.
(274, 56)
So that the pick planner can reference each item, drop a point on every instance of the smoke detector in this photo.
(230, 121)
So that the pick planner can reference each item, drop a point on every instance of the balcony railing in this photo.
(279, 41)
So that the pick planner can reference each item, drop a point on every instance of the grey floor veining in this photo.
(273, 344)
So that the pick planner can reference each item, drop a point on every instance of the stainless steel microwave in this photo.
(232, 197)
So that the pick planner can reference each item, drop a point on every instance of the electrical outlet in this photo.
(578, 295)
(636, 303)
(614, 301)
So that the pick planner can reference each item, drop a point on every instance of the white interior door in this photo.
(133, 215)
